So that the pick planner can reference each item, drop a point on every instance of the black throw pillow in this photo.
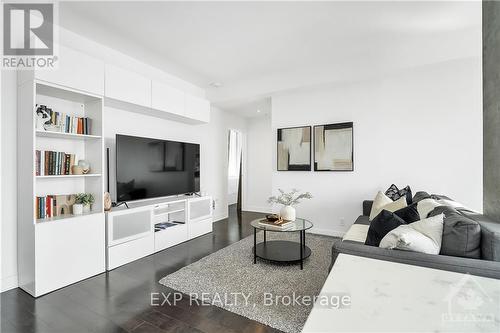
(394, 193)
(409, 213)
(381, 225)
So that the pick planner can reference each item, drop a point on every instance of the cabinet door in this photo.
(129, 224)
(197, 109)
(166, 98)
(76, 70)
(127, 86)
(68, 251)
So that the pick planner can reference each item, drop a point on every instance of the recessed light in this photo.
(215, 84)
(258, 111)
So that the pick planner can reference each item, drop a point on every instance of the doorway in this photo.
(234, 169)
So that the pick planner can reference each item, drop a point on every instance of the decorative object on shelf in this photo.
(333, 147)
(85, 199)
(77, 209)
(76, 170)
(288, 200)
(85, 166)
(294, 149)
(64, 203)
(51, 121)
(107, 201)
(42, 117)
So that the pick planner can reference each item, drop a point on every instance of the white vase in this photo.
(287, 213)
(86, 209)
(77, 209)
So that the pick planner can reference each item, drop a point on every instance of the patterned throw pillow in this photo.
(394, 193)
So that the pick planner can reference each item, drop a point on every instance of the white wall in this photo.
(8, 279)
(260, 148)
(422, 127)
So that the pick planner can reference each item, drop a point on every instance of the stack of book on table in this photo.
(277, 225)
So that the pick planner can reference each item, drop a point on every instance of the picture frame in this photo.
(293, 146)
(334, 147)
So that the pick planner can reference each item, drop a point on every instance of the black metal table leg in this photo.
(304, 241)
(301, 251)
(254, 245)
(264, 236)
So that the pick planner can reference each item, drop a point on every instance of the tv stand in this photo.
(151, 226)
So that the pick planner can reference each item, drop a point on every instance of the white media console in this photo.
(154, 225)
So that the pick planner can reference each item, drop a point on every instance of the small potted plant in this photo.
(288, 200)
(83, 203)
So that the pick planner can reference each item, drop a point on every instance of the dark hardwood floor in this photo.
(119, 301)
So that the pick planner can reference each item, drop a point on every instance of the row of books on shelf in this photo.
(65, 123)
(49, 163)
(54, 205)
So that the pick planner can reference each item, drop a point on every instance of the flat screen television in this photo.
(150, 168)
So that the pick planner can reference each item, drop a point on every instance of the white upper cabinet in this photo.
(127, 86)
(168, 99)
(75, 70)
(197, 109)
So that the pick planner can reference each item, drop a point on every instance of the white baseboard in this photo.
(219, 218)
(8, 283)
(327, 232)
(257, 209)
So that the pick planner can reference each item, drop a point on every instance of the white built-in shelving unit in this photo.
(60, 250)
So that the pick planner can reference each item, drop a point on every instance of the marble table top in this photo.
(369, 295)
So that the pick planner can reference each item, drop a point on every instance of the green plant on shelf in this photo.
(85, 199)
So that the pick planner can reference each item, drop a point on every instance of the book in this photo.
(50, 163)
(278, 226)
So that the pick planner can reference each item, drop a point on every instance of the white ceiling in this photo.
(257, 48)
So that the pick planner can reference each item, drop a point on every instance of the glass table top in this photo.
(298, 225)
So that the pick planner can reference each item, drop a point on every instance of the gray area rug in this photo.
(229, 279)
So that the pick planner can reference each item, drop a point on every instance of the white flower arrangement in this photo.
(289, 199)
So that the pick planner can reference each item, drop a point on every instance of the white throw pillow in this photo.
(425, 206)
(421, 236)
(382, 202)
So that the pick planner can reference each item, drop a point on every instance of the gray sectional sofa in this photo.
(487, 264)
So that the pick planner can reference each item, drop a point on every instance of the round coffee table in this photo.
(280, 250)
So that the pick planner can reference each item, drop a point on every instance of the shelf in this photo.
(170, 212)
(69, 176)
(63, 217)
(169, 227)
(62, 135)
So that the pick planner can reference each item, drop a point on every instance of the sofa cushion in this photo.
(425, 206)
(381, 225)
(409, 214)
(420, 195)
(490, 242)
(421, 236)
(461, 235)
(383, 202)
(356, 233)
